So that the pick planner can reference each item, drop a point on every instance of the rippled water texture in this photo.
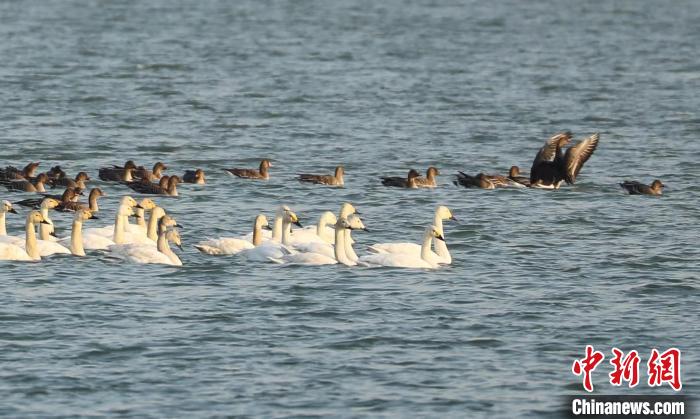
(379, 87)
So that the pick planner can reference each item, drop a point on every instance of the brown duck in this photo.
(637, 188)
(28, 186)
(331, 180)
(118, 174)
(479, 181)
(152, 175)
(194, 176)
(430, 179)
(67, 182)
(95, 194)
(153, 189)
(552, 167)
(400, 182)
(262, 173)
(12, 173)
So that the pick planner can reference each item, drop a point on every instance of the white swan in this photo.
(400, 260)
(95, 239)
(109, 230)
(46, 231)
(4, 238)
(46, 247)
(321, 257)
(273, 248)
(230, 245)
(320, 233)
(76, 238)
(346, 210)
(147, 254)
(140, 227)
(30, 252)
(441, 254)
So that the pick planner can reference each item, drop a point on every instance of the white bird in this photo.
(322, 232)
(321, 256)
(95, 239)
(273, 248)
(4, 209)
(147, 254)
(30, 252)
(140, 227)
(400, 260)
(46, 247)
(76, 237)
(47, 231)
(441, 254)
(230, 245)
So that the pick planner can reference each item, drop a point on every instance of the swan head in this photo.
(328, 218)
(346, 209)
(130, 202)
(49, 203)
(434, 232)
(173, 236)
(84, 215)
(167, 221)
(7, 207)
(282, 210)
(291, 217)
(261, 222)
(444, 213)
(355, 223)
(147, 204)
(157, 213)
(35, 217)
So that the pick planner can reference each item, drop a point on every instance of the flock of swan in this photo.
(328, 242)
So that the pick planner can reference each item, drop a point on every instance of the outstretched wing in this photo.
(549, 151)
(577, 155)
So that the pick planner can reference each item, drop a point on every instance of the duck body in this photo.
(398, 182)
(330, 180)
(261, 174)
(552, 166)
(638, 188)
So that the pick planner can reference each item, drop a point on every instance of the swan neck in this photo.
(76, 239)
(3, 229)
(31, 244)
(45, 229)
(286, 232)
(425, 248)
(119, 228)
(349, 251)
(153, 225)
(341, 241)
(277, 229)
(257, 235)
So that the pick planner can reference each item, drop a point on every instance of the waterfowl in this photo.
(479, 181)
(76, 237)
(346, 210)
(95, 194)
(430, 179)
(5, 208)
(118, 174)
(145, 187)
(163, 182)
(151, 175)
(56, 172)
(322, 232)
(262, 173)
(30, 251)
(194, 176)
(339, 251)
(140, 228)
(552, 167)
(232, 246)
(101, 238)
(514, 175)
(408, 182)
(25, 185)
(148, 254)
(331, 180)
(46, 230)
(78, 183)
(69, 195)
(441, 254)
(12, 173)
(273, 248)
(402, 260)
(636, 188)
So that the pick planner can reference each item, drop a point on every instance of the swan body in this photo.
(232, 246)
(274, 249)
(320, 233)
(30, 251)
(148, 254)
(441, 254)
(402, 260)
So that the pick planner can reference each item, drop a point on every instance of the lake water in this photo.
(379, 87)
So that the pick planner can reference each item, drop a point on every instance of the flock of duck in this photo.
(328, 242)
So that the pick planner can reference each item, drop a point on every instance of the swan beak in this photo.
(94, 217)
(179, 226)
(135, 215)
(138, 206)
(53, 234)
(366, 230)
(267, 228)
(358, 212)
(12, 210)
(455, 219)
(298, 224)
(439, 237)
(45, 222)
(179, 246)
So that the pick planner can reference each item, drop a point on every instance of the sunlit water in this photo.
(379, 87)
